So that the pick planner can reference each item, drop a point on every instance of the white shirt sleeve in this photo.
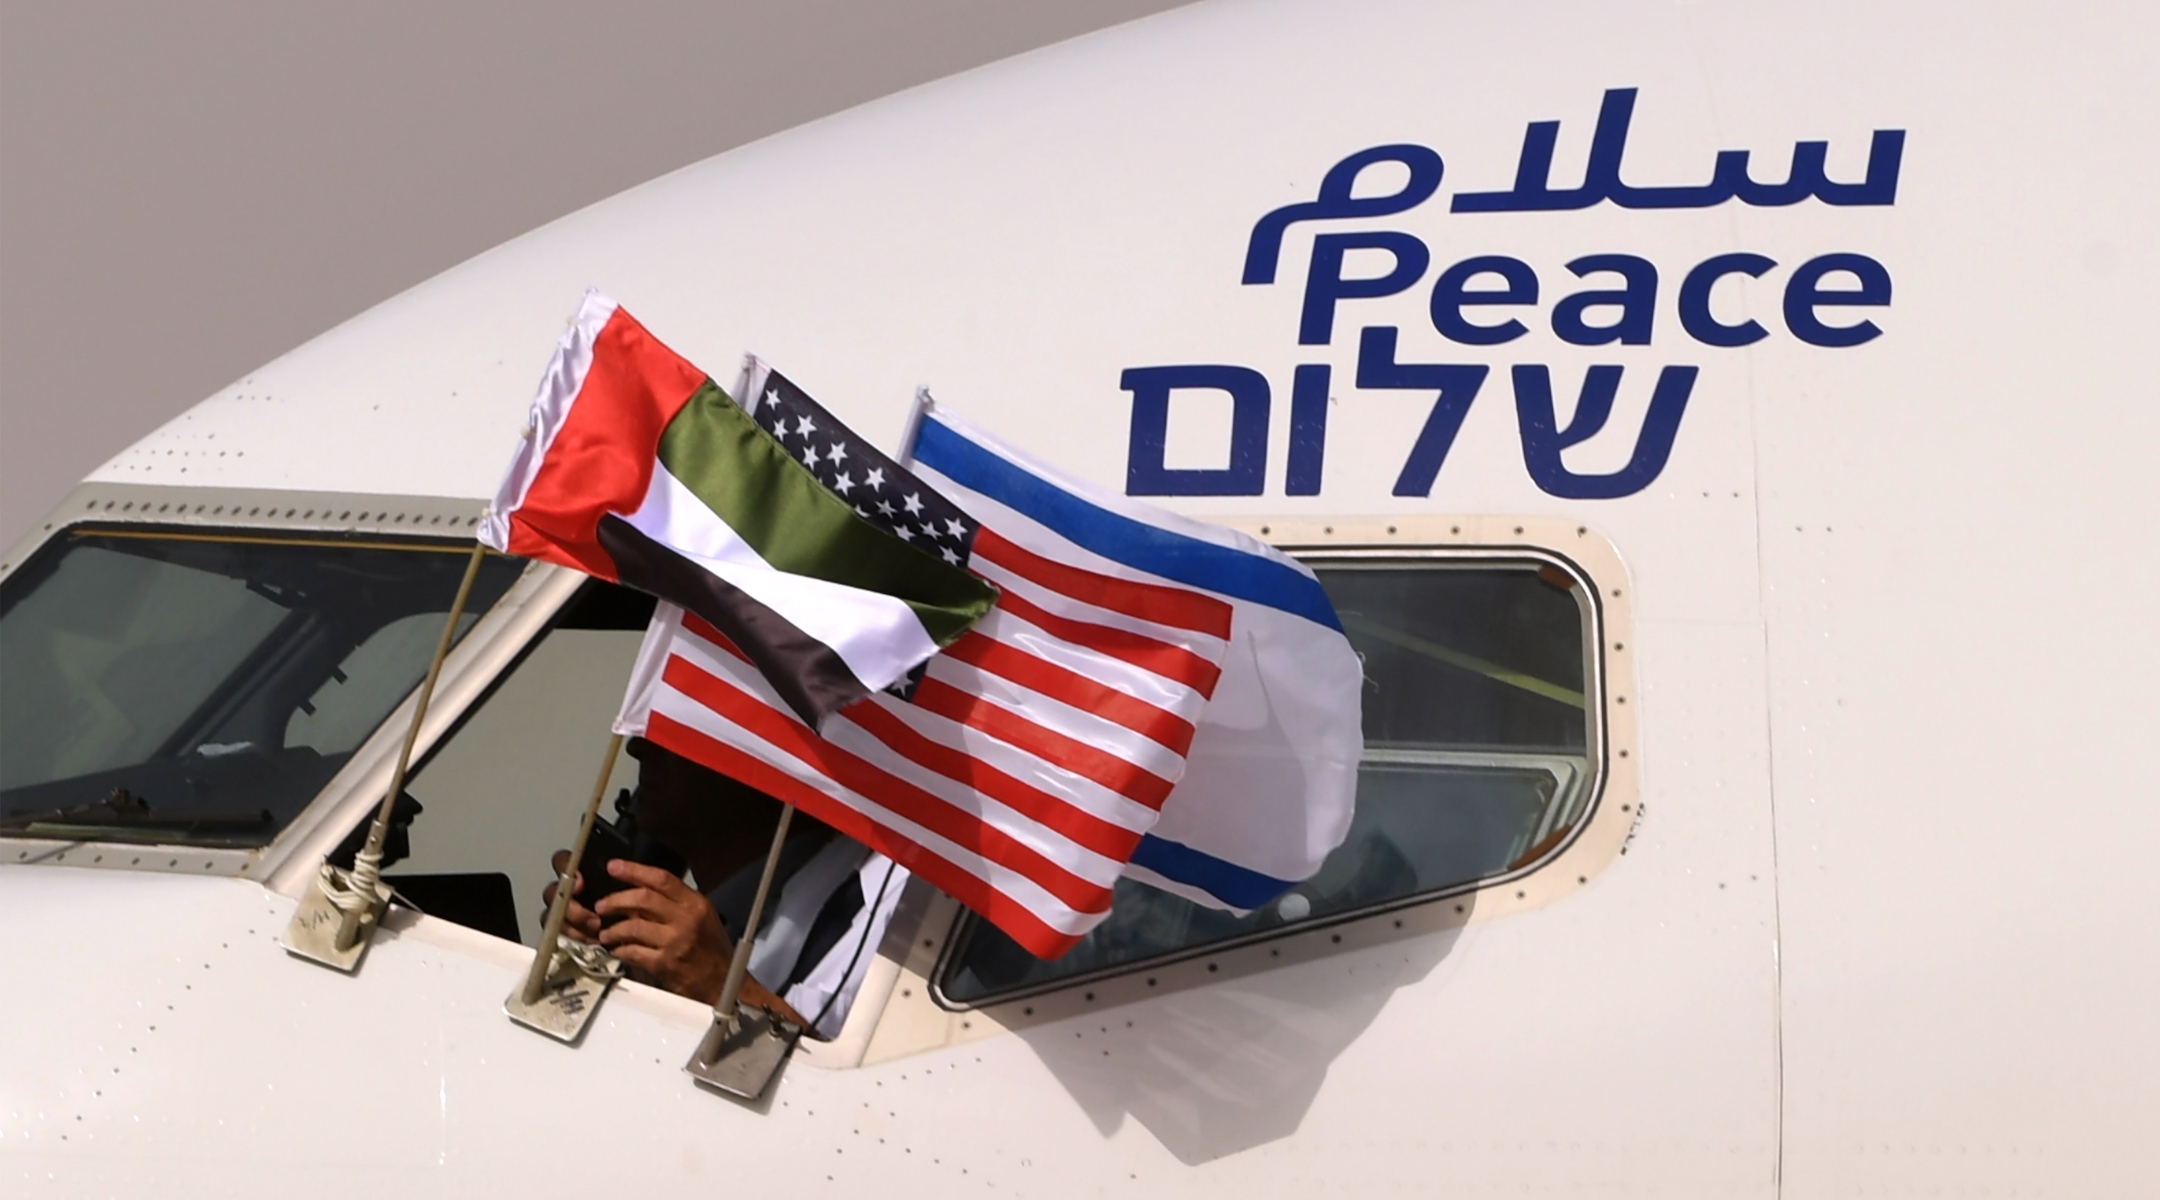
(829, 987)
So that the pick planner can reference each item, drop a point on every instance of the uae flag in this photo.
(1021, 769)
(637, 468)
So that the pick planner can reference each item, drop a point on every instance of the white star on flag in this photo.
(876, 477)
(913, 503)
(844, 485)
(804, 425)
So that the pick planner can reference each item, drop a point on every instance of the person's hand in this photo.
(664, 931)
(662, 928)
(579, 922)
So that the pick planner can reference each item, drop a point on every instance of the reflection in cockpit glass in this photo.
(201, 688)
(1476, 762)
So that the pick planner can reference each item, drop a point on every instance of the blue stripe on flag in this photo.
(1234, 885)
(1150, 548)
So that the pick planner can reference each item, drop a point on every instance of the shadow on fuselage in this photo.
(1232, 1065)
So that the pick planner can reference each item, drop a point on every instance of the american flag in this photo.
(1022, 768)
(883, 492)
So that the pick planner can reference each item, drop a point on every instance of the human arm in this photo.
(667, 931)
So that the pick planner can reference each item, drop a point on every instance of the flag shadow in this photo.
(1225, 1067)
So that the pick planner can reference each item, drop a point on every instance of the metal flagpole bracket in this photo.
(578, 978)
(340, 913)
(746, 1046)
(337, 917)
(567, 980)
(741, 1056)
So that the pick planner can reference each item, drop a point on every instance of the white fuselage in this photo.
(1864, 903)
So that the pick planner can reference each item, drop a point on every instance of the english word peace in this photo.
(1468, 302)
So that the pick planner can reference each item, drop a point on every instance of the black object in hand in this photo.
(621, 838)
(644, 847)
(605, 843)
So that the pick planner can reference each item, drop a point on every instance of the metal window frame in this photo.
(289, 859)
(915, 1017)
(1585, 795)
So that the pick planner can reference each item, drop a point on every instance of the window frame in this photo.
(288, 861)
(915, 1016)
(1583, 803)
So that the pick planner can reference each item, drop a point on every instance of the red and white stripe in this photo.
(1035, 753)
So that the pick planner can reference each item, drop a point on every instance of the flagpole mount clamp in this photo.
(577, 981)
(740, 1057)
(337, 918)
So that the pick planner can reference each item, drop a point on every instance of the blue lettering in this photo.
(1543, 440)
(1885, 152)
(1456, 386)
(1264, 248)
(1804, 294)
(1637, 302)
(1695, 316)
(1729, 178)
(1324, 282)
(1308, 429)
(1145, 474)
(1451, 294)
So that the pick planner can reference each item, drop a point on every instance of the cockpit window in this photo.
(201, 688)
(1477, 762)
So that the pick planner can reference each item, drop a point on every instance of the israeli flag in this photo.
(1270, 779)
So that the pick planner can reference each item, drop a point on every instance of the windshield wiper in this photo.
(122, 811)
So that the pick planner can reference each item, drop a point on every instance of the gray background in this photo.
(187, 191)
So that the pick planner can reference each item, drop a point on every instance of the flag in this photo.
(635, 467)
(1271, 775)
(1019, 771)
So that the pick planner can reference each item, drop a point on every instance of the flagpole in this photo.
(913, 428)
(356, 899)
(559, 907)
(367, 865)
(739, 965)
(739, 1053)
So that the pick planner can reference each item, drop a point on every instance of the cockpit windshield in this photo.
(199, 687)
